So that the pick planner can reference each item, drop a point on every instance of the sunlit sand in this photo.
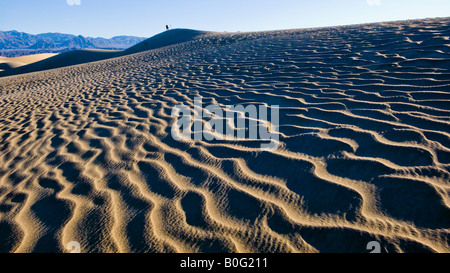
(86, 152)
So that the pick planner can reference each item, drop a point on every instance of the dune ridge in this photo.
(83, 56)
(15, 62)
(86, 152)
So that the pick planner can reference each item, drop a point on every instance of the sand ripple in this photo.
(86, 153)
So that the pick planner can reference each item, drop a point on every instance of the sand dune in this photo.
(167, 38)
(62, 60)
(40, 62)
(86, 152)
(5, 65)
(29, 58)
(10, 63)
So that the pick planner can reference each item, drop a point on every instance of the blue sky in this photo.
(107, 18)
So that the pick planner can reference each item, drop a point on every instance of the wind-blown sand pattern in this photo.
(86, 152)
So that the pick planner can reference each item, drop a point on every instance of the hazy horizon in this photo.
(144, 18)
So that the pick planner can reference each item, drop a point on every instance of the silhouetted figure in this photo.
(167, 27)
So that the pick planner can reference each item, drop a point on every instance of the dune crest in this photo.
(86, 152)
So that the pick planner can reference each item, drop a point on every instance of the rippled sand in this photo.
(86, 152)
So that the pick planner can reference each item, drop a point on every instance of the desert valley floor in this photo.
(86, 152)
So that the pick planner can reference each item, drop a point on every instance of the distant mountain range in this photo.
(14, 43)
